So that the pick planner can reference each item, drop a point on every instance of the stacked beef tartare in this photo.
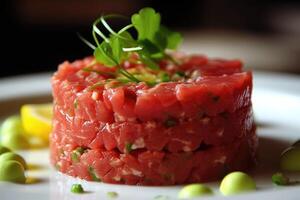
(194, 127)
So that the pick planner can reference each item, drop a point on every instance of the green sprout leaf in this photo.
(118, 43)
(104, 55)
(174, 40)
(150, 45)
(171, 38)
(149, 48)
(116, 46)
(147, 23)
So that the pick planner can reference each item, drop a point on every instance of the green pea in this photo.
(112, 195)
(290, 159)
(237, 182)
(15, 141)
(12, 156)
(12, 124)
(194, 190)
(4, 149)
(77, 188)
(12, 171)
(280, 179)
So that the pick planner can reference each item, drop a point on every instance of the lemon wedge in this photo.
(37, 120)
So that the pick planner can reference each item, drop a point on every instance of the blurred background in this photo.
(37, 35)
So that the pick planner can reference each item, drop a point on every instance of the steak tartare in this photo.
(171, 133)
(135, 114)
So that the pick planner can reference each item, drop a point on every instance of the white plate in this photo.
(276, 101)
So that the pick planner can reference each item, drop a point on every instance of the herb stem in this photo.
(138, 48)
(86, 42)
(94, 62)
(95, 38)
(171, 59)
(125, 28)
(87, 69)
(105, 24)
(128, 75)
(96, 30)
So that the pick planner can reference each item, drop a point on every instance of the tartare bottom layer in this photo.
(144, 167)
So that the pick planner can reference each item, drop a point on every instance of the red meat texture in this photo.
(171, 133)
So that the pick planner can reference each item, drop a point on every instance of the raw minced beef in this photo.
(193, 129)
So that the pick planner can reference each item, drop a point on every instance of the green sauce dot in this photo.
(4, 149)
(15, 141)
(194, 190)
(77, 188)
(290, 159)
(13, 156)
(237, 182)
(12, 171)
(112, 195)
(280, 179)
(12, 124)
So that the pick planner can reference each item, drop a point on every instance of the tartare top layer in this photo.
(197, 85)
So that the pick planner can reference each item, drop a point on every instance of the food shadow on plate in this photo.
(269, 151)
(30, 180)
(35, 167)
(262, 125)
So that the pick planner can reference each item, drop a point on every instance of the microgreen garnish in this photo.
(147, 23)
(86, 42)
(151, 43)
